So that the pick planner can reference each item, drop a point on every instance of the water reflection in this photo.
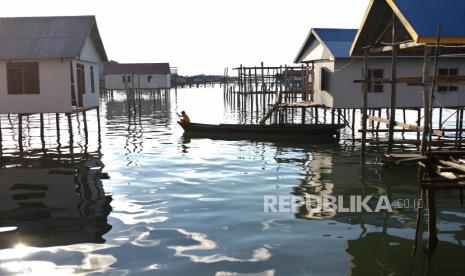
(379, 253)
(185, 205)
(53, 202)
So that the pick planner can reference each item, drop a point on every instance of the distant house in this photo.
(148, 76)
(49, 64)
(335, 71)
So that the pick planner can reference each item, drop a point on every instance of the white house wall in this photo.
(138, 81)
(55, 90)
(89, 53)
(343, 93)
(316, 51)
(90, 99)
(323, 97)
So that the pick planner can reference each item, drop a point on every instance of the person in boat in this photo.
(184, 118)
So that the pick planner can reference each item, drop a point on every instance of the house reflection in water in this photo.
(53, 203)
(379, 253)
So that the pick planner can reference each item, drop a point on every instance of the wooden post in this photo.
(392, 118)
(313, 82)
(239, 74)
(426, 100)
(98, 121)
(364, 105)
(70, 131)
(20, 133)
(57, 124)
(432, 230)
(303, 115)
(418, 121)
(440, 118)
(353, 122)
(42, 132)
(460, 127)
(86, 133)
(316, 115)
(1, 139)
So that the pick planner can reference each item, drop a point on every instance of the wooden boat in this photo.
(313, 130)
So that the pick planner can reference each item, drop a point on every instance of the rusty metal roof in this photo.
(47, 37)
(137, 68)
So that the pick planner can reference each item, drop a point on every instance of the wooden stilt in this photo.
(418, 121)
(86, 133)
(420, 209)
(440, 118)
(353, 122)
(98, 121)
(57, 126)
(1, 136)
(70, 131)
(42, 131)
(426, 100)
(303, 115)
(460, 127)
(20, 133)
(432, 230)
(392, 118)
(364, 116)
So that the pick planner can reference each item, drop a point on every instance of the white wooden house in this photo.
(148, 76)
(49, 64)
(328, 50)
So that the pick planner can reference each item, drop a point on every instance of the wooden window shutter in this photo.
(23, 78)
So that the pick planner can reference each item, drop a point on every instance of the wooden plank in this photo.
(439, 80)
(364, 104)
(273, 109)
(389, 48)
(416, 142)
(405, 126)
(453, 165)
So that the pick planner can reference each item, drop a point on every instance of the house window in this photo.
(81, 79)
(92, 80)
(448, 72)
(149, 78)
(324, 81)
(126, 78)
(23, 78)
(376, 86)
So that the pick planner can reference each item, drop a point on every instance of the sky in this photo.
(202, 36)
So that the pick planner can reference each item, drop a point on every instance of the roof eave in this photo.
(360, 29)
(410, 29)
(303, 47)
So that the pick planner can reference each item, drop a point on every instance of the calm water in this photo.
(176, 205)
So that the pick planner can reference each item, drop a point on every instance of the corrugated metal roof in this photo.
(47, 37)
(425, 15)
(338, 41)
(137, 68)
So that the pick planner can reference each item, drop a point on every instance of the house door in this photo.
(81, 84)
